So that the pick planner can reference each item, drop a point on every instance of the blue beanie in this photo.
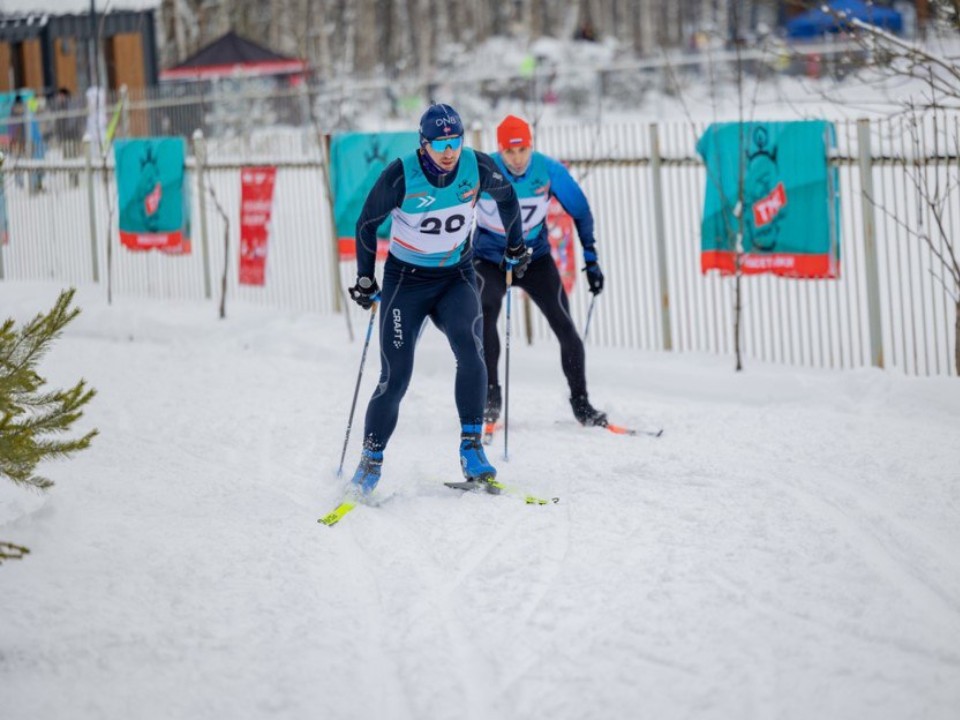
(439, 121)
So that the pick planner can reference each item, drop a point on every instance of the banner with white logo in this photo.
(790, 199)
(256, 205)
(154, 197)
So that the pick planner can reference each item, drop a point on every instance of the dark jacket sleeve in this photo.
(501, 189)
(385, 195)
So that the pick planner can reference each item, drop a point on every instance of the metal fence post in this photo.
(660, 231)
(124, 111)
(870, 241)
(325, 144)
(199, 155)
(91, 208)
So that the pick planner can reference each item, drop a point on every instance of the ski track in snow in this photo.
(786, 549)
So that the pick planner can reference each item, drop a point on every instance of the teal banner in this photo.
(791, 202)
(356, 161)
(14, 128)
(154, 197)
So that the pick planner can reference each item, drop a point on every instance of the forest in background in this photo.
(364, 38)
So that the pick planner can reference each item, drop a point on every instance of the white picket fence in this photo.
(891, 306)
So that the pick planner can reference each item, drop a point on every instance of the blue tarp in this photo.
(817, 22)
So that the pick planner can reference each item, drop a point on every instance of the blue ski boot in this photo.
(367, 476)
(473, 461)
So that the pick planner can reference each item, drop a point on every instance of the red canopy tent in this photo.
(230, 56)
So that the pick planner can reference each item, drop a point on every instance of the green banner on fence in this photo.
(154, 196)
(356, 161)
(791, 205)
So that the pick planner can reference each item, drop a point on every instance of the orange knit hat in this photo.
(513, 132)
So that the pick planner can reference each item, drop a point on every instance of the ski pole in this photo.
(506, 374)
(586, 328)
(356, 390)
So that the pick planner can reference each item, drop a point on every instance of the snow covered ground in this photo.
(787, 549)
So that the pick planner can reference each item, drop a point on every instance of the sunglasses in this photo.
(442, 144)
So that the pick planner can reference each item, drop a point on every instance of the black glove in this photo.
(516, 259)
(594, 275)
(366, 292)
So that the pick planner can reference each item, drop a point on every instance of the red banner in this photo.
(793, 265)
(560, 231)
(172, 243)
(256, 204)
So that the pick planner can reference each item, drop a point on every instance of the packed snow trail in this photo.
(786, 549)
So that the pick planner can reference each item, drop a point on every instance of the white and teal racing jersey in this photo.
(432, 226)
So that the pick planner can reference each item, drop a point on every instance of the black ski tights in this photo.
(542, 283)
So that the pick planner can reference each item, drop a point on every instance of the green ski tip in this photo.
(337, 514)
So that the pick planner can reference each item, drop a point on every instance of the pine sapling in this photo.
(33, 419)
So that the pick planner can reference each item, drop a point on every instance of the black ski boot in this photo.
(586, 414)
(494, 404)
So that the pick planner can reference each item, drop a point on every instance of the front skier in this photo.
(431, 195)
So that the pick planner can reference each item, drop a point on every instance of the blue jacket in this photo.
(544, 178)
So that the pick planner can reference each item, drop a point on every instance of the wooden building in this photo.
(46, 52)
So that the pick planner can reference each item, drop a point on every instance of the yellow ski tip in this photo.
(534, 500)
(334, 517)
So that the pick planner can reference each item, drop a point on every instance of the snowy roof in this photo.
(231, 52)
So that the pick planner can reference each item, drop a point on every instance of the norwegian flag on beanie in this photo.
(439, 121)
